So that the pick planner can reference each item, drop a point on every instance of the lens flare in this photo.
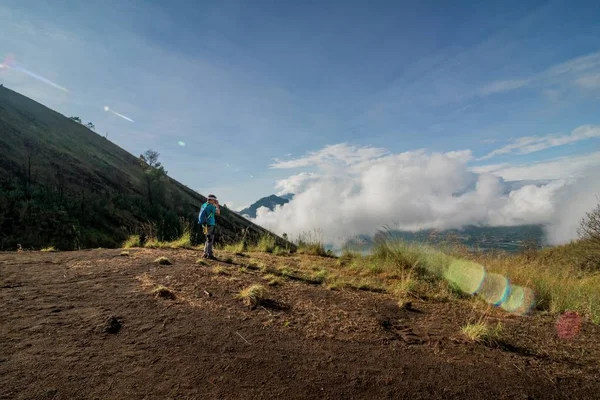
(107, 108)
(521, 300)
(9, 63)
(472, 278)
(495, 289)
(467, 276)
(568, 325)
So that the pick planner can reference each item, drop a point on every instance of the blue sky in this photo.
(245, 82)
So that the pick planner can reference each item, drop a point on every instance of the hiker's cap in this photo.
(212, 197)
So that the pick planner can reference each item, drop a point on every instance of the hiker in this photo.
(207, 220)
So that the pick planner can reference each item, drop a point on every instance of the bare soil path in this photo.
(58, 341)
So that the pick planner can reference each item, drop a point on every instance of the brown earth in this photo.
(86, 325)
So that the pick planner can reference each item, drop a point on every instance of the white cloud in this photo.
(412, 190)
(580, 70)
(589, 81)
(531, 144)
(572, 203)
(296, 183)
(461, 155)
(569, 167)
(503, 86)
(337, 154)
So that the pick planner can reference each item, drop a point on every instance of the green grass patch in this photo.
(239, 247)
(183, 242)
(266, 244)
(153, 243)
(132, 241)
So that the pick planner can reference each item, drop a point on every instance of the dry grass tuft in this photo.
(219, 270)
(273, 280)
(163, 261)
(48, 249)
(124, 254)
(481, 332)
(163, 292)
(252, 295)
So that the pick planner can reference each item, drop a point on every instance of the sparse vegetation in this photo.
(481, 332)
(589, 232)
(278, 251)
(200, 261)
(48, 249)
(183, 242)
(266, 244)
(252, 295)
(219, 270)
(164, 292)
(273, 280)
(132, 241)
(163, 261)
(554, 274)
(311, 243)
(418, 271)
(153, 243)
(237, 248)
(124, 254)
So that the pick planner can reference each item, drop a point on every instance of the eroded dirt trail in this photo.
(205, 344)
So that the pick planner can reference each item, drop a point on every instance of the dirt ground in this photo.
(86, 325)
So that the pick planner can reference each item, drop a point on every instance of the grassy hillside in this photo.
(63, 185)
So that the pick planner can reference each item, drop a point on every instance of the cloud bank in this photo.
(358, 191)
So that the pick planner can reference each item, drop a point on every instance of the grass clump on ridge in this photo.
(163, 261)
(266, 244)
(154, 243)
(48, 249)
(481, 332)
(311, 243)
(132, 241)
(183, 242)
(164, 292)
(252, 295)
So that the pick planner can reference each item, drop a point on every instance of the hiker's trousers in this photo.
(210, 241)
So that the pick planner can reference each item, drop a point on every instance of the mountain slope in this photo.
(61, 184)
(270, 202)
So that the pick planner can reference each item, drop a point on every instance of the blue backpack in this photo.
(204, 215)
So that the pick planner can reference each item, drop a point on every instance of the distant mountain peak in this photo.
(269, 202)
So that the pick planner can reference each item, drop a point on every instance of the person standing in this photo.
(208, 221)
